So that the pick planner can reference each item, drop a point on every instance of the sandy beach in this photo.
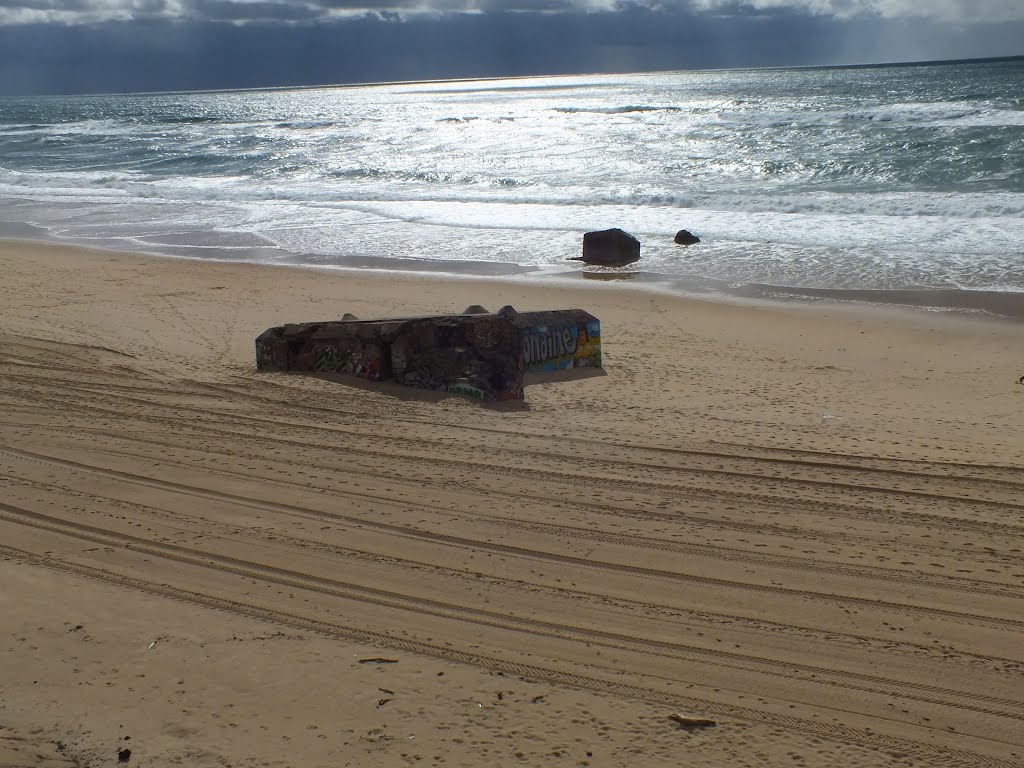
(803, 523)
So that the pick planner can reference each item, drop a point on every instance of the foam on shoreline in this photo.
(1002, 304)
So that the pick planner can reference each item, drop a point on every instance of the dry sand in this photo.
(802, 523)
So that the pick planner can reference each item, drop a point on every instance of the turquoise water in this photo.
(908, 177)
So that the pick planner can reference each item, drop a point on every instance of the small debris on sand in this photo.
(692, 722)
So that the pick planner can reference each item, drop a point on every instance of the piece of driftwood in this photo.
(692, 722)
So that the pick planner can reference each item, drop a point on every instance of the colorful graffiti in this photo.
(556, 348)
(331, 358)
(478, 356)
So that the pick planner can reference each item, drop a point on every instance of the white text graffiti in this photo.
(545, 343)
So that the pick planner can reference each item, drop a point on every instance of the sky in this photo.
(91, 46)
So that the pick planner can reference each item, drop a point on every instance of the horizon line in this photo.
(494, 78)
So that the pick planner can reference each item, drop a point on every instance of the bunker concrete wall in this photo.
(478, 355)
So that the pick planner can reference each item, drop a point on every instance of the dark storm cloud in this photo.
(188, 44)
(93, 11)
(258, 10)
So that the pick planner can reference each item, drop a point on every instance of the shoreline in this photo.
(800, 522)
(1006, 305)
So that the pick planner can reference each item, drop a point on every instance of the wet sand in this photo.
(802, 523)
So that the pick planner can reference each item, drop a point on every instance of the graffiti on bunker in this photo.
(555, 348)
(483, 356)
(332, 358)
(363, 363)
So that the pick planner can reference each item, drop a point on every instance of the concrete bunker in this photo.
(478, 354)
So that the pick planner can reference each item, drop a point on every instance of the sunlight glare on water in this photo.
(886, 177)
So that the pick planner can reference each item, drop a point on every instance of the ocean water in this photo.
(883, 179)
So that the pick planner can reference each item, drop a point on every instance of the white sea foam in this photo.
(838, 178)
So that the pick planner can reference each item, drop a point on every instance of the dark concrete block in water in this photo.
(480, 355)
(609, 248)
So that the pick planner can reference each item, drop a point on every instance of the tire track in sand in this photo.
(953, 757)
